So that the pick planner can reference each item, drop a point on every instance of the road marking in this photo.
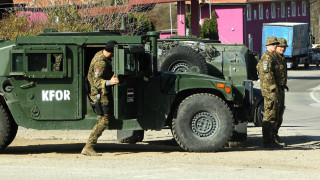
(312, 93)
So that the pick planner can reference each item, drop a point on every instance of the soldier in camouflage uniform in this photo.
(282, 74)
(269, 83)
(56, 66)
(101, 77)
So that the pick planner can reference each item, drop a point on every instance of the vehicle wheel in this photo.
(306, 65)
(8, 128)
(204, 123)
(259, 114)
(182, 59)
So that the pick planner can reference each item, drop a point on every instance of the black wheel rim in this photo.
(180, 66)
(204, 124)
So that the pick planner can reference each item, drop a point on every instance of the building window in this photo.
(249, 12)
(273, 11)
(293, 9)
(260, 11)
(283, 10)
(304, 8)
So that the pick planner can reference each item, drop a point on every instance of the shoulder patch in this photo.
(265, 65)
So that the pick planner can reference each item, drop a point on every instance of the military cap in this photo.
(283, 42)
(271, 40)
(110, 45)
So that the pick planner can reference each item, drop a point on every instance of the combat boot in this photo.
(277, 138)
(89, 151)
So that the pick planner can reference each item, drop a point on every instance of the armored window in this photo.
(260, 11)
(273, 11)
(249, 12)
(304, 8)
(283, 10)
(37, 62)
(17, 62)
(293, 8)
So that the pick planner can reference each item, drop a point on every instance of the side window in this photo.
(293, 7)
(260, 11)
(273, 11)
(39, 61)
(283, 10)
(249, 12)
(17, 62)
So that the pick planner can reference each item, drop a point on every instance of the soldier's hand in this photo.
(114, 80)
(286, 87)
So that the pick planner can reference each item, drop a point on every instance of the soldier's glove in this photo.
(286, 87)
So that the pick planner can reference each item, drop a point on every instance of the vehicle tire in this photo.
(204, 123)
(8, 128)
(182, 59)
(259, 114)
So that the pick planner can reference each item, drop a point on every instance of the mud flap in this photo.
(130, 136)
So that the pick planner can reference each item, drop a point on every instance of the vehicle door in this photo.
(46, 81)
(127, 66)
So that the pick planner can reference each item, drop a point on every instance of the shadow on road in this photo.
(292, 142)
(305, 77)
(164, 146)
(254, 143)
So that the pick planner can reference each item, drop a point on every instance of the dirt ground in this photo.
(46, 152)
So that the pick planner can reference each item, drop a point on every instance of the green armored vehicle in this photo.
(43, 87)
(185, 54)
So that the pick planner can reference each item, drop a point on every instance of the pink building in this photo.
(240, 21)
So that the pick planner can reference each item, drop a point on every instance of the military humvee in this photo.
(43, 87)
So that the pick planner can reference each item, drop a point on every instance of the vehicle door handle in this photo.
(30, 84)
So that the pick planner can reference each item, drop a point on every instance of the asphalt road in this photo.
(302, 113)
(56, 154)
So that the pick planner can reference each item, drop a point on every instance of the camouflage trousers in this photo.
(103, 120)
(100, 126)
(281, 95)
(271, 116)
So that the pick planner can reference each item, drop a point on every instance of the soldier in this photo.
(269, 83)
(282, 74)
(101, 77)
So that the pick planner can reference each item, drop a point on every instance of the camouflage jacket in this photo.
(282, 69)
(268, 73)
(100, 71)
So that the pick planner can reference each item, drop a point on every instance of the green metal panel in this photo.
(75, 40)
(5, 59)
(42, 99)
